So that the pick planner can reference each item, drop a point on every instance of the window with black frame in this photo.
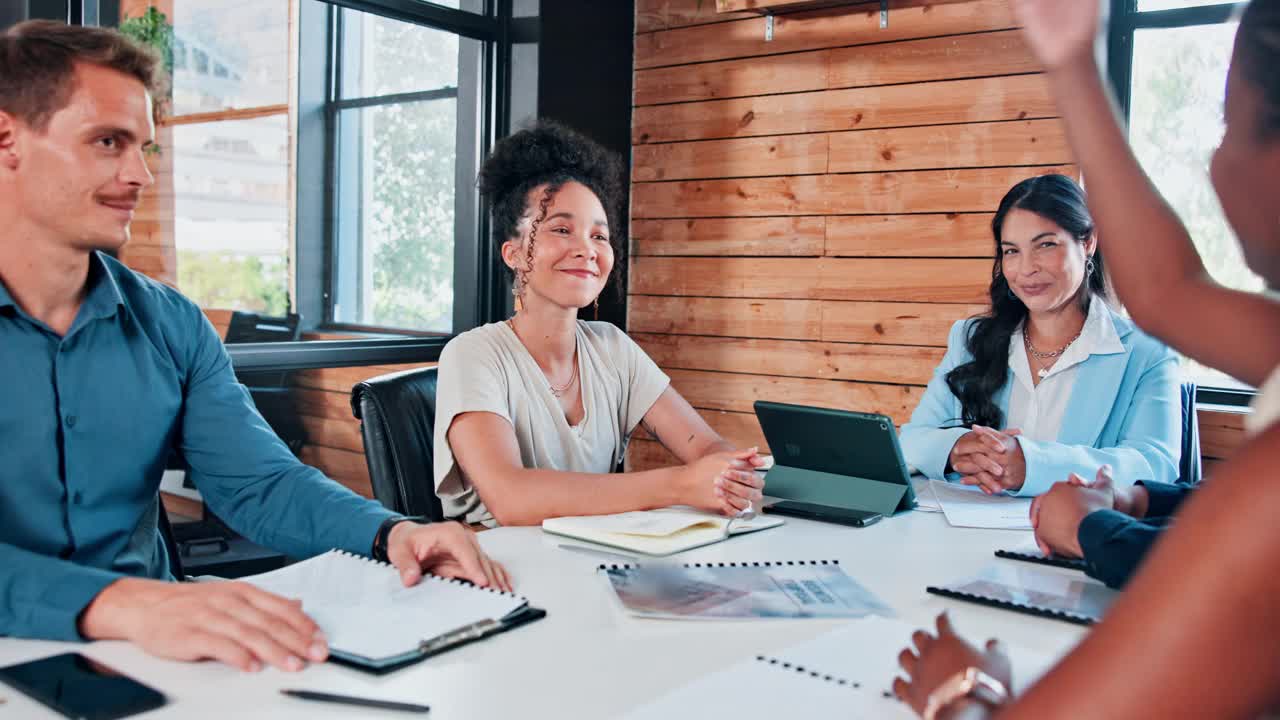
(404, 120)
(1169, 63)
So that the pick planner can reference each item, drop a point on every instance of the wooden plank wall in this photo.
(810, 214)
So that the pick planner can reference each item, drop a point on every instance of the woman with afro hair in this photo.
(533, 414)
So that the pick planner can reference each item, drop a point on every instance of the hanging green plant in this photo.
(152, 29)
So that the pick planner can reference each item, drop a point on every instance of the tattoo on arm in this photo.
(649, 429)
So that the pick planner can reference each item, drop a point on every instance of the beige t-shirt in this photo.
(488, 369)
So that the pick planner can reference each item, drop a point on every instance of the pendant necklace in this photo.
(560, 390)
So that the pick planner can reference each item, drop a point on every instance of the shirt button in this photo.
(71, 421)
(76, 497)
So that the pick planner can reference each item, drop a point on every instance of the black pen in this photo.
(350, 700)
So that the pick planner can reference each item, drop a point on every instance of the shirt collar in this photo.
(104, 297)
(1098, 336)
(6, 300)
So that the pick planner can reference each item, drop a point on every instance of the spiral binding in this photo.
(436, 578)
(1063, 615)
(802, 670)
(695, 566)
(1052, 560)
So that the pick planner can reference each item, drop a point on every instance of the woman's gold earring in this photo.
(518, 292)
(596, 305)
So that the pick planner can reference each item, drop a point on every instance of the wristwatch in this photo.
(969, 683)
(384, 532)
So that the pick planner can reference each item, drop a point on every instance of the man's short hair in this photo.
(38, 62)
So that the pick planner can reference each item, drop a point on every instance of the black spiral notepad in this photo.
(737, 590)
(1035, 556)
(374, 623)
(1035, 592)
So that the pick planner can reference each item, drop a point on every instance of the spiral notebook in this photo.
(375, 623)
(1031, 553)
(1034, 591)
(742, 590)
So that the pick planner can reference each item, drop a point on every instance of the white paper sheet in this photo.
(364, 609)
(846, 673)
(967, 506)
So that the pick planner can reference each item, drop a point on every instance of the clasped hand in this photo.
(990, 459)
(1057, 514)
(726, 482)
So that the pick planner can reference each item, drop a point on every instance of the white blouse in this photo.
(1038, 410)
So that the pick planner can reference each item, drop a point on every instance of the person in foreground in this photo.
(106, 371)
(533, 414)
(1205, 597)
(1073, 383)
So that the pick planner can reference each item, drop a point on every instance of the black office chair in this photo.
(270, 390)
(1189, 469)
(170, 543)
(397, 414)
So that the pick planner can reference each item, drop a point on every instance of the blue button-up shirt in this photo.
(87, 422)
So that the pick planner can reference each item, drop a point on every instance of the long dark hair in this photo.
(1056, 198)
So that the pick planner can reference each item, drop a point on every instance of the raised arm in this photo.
(484, 446)
(1157, 271)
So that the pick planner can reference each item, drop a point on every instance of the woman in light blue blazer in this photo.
(1051, 380)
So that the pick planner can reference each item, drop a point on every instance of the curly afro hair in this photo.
(552, 154)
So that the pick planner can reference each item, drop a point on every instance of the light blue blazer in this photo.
(1125, 410)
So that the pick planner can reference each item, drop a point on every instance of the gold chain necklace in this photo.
(562, 389)
(1052, 357)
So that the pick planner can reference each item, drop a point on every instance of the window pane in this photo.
(383, 56)
(229, 54)
(396, 215)
(231, 213)
(1145, 5)
(1179, 78)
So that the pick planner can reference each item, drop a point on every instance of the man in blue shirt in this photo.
(103, 371)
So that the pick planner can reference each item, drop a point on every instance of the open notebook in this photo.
(657, 532)
(375, 623)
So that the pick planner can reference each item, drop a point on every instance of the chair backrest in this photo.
(269, 389)
(170, 543)
(397, 414)
(247, 327)
(1189, 469)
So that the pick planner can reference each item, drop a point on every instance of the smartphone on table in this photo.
(81, 688)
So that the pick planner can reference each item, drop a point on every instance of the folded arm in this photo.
(934, 427)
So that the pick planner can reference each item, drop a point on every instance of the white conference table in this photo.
(587, 659)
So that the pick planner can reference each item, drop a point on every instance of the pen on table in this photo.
(352, 700)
